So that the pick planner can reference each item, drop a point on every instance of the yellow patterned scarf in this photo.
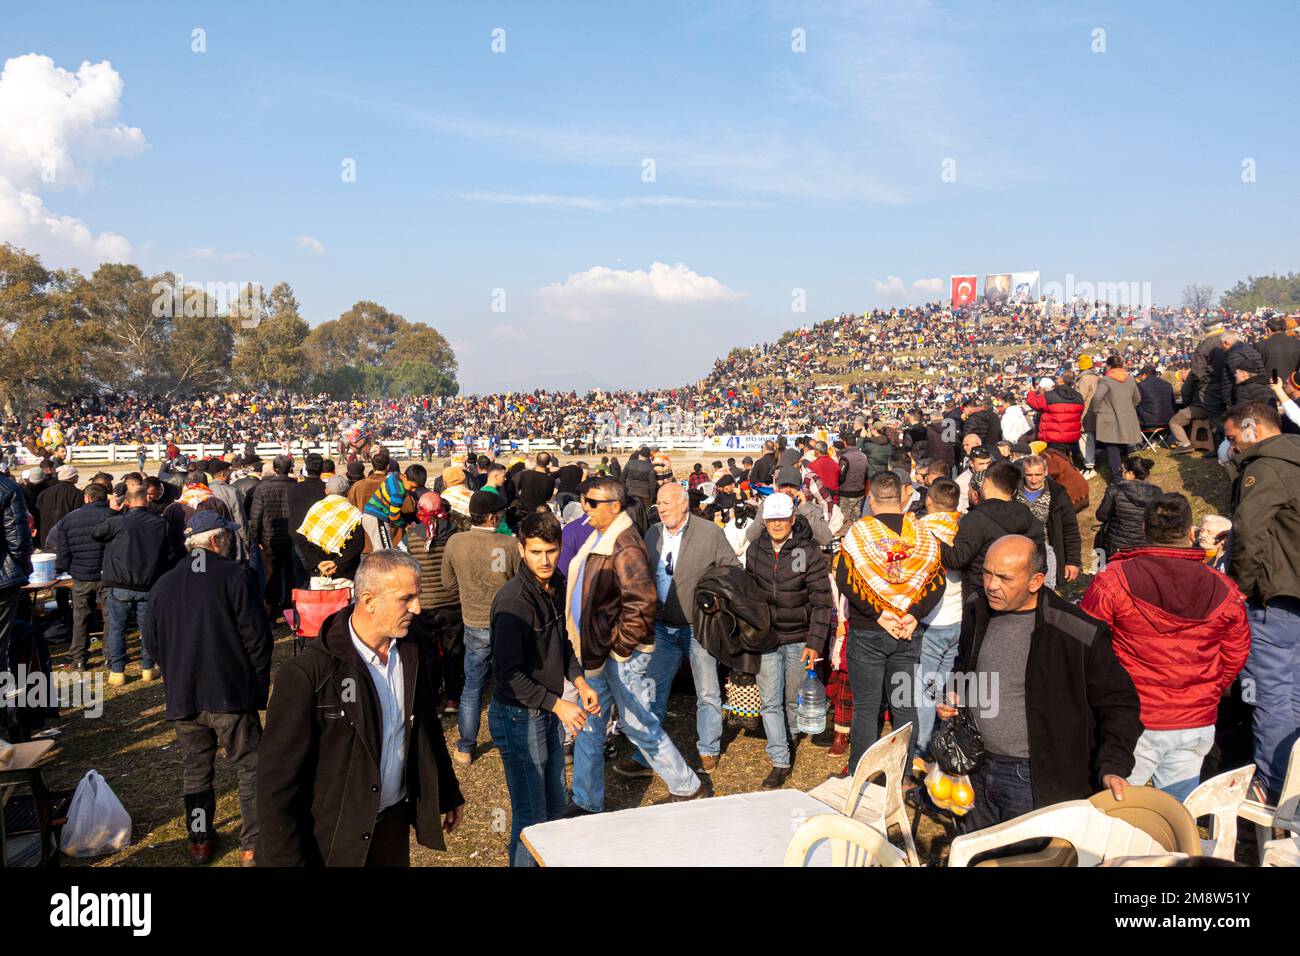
(892, 570)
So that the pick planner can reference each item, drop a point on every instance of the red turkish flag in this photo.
(963, 290)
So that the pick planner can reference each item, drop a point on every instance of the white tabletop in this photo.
(750, 829)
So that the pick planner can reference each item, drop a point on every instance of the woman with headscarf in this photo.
(330, 539)
(439, 627)
(455, 493)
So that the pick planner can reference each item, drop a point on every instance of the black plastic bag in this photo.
(958, 745)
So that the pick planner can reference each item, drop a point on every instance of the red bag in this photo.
(311, 608)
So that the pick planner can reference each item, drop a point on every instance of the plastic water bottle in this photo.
(811, 705)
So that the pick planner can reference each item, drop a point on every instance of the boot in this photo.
(200, 820)
(840, 745)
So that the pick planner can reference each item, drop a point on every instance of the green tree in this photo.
(1278, 292)
(269, 351)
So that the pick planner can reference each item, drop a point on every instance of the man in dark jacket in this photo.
(942, 438)
(268, 530)
(353, 755)
(878, 449)
(1266, 566)
(1280, 352)
(853, 480)
(137, 551)
(996, 515)
(1157, 405)
(56, 501)
(81, 556)
(531, 658)
(682, 548)
(1058, 713)
(305, 493)
(15, 556)
(1050, 504)
(639, 477)
(207, 629)
(986, 423)
(610, 603)
(761, 473)
(792, 573)
(1247, 376)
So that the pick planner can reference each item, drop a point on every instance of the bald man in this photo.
(1058, 713)
(682, 547)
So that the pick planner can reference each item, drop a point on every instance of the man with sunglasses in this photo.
(612, 602)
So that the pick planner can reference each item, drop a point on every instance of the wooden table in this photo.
(750, 829)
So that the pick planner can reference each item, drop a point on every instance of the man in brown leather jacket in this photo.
(612, 603)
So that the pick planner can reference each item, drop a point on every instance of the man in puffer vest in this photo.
(1179, 628)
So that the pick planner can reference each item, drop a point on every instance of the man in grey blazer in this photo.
(682, 548)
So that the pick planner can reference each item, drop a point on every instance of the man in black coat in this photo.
(207, 629)
(1280, 352)
(81, 556)
(1058, 712)
(996, 515)
(138, 550)
(1050, 504)
(354, 754)
(57, 500)
(1157, 405)
(639, 477)
(269, 531)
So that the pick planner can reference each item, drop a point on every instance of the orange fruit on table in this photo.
(963, 795)
(941, 787)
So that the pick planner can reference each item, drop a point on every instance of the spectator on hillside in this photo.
(1157, 405)
(1061, 408)
(1050, 505)
(1123, 510)
(1112, 415)
(1280, 352)
(1180, 630)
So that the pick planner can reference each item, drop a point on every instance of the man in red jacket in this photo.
(827, 469)
(1061, 414)
(1179, 628)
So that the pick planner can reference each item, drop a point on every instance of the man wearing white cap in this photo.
(57, 500)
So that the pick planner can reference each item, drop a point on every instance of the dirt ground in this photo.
(134, 748)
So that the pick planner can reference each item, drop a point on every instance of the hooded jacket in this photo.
(1112, 415)
(1178, 627)
(618, 601)
(1266, 519)
(318, 774)
(1081, 707)
(797, 584)
(1123, 510)
(1062, 412)
(979, 528)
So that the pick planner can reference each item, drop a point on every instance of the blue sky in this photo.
(774, 170)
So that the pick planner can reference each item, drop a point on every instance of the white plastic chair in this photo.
(871, 803)
(1220, 797)
(1095, 836)
(852, 843)
(1286, 815)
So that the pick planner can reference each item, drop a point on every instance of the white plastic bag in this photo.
(319, 583)
(97, 821)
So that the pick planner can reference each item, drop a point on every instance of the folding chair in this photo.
(1153, 437)
(309, 611)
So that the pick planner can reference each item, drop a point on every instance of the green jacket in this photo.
(1266, 519)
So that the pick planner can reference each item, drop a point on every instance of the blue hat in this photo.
(203, 521)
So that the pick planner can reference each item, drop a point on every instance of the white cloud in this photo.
(203, 252)
(54, 124)
(894, 288)
(311, 245)
(595, 204)
(600, 291)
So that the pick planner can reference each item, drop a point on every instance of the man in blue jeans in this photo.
(611, 603)
(138, 549)
(475, 565)
(682, 547)
(531, 657)
(940, 629)
(1266, 566)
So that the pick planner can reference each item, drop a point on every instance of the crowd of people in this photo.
(919, 545)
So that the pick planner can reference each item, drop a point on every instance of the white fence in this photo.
(410, 448)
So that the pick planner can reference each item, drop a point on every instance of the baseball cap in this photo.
(788, 476)
(203, 521)
(778, 505)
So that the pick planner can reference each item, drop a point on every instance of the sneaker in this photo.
(572, 810)
(775, 778)
(709, 762)
(628, 767)
(116, 678)
(461, 757)
(1181, 450)
(149, 674)
(451, 708)
(703, 792)
(1088, 474)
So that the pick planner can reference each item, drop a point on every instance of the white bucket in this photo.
(42, 568)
